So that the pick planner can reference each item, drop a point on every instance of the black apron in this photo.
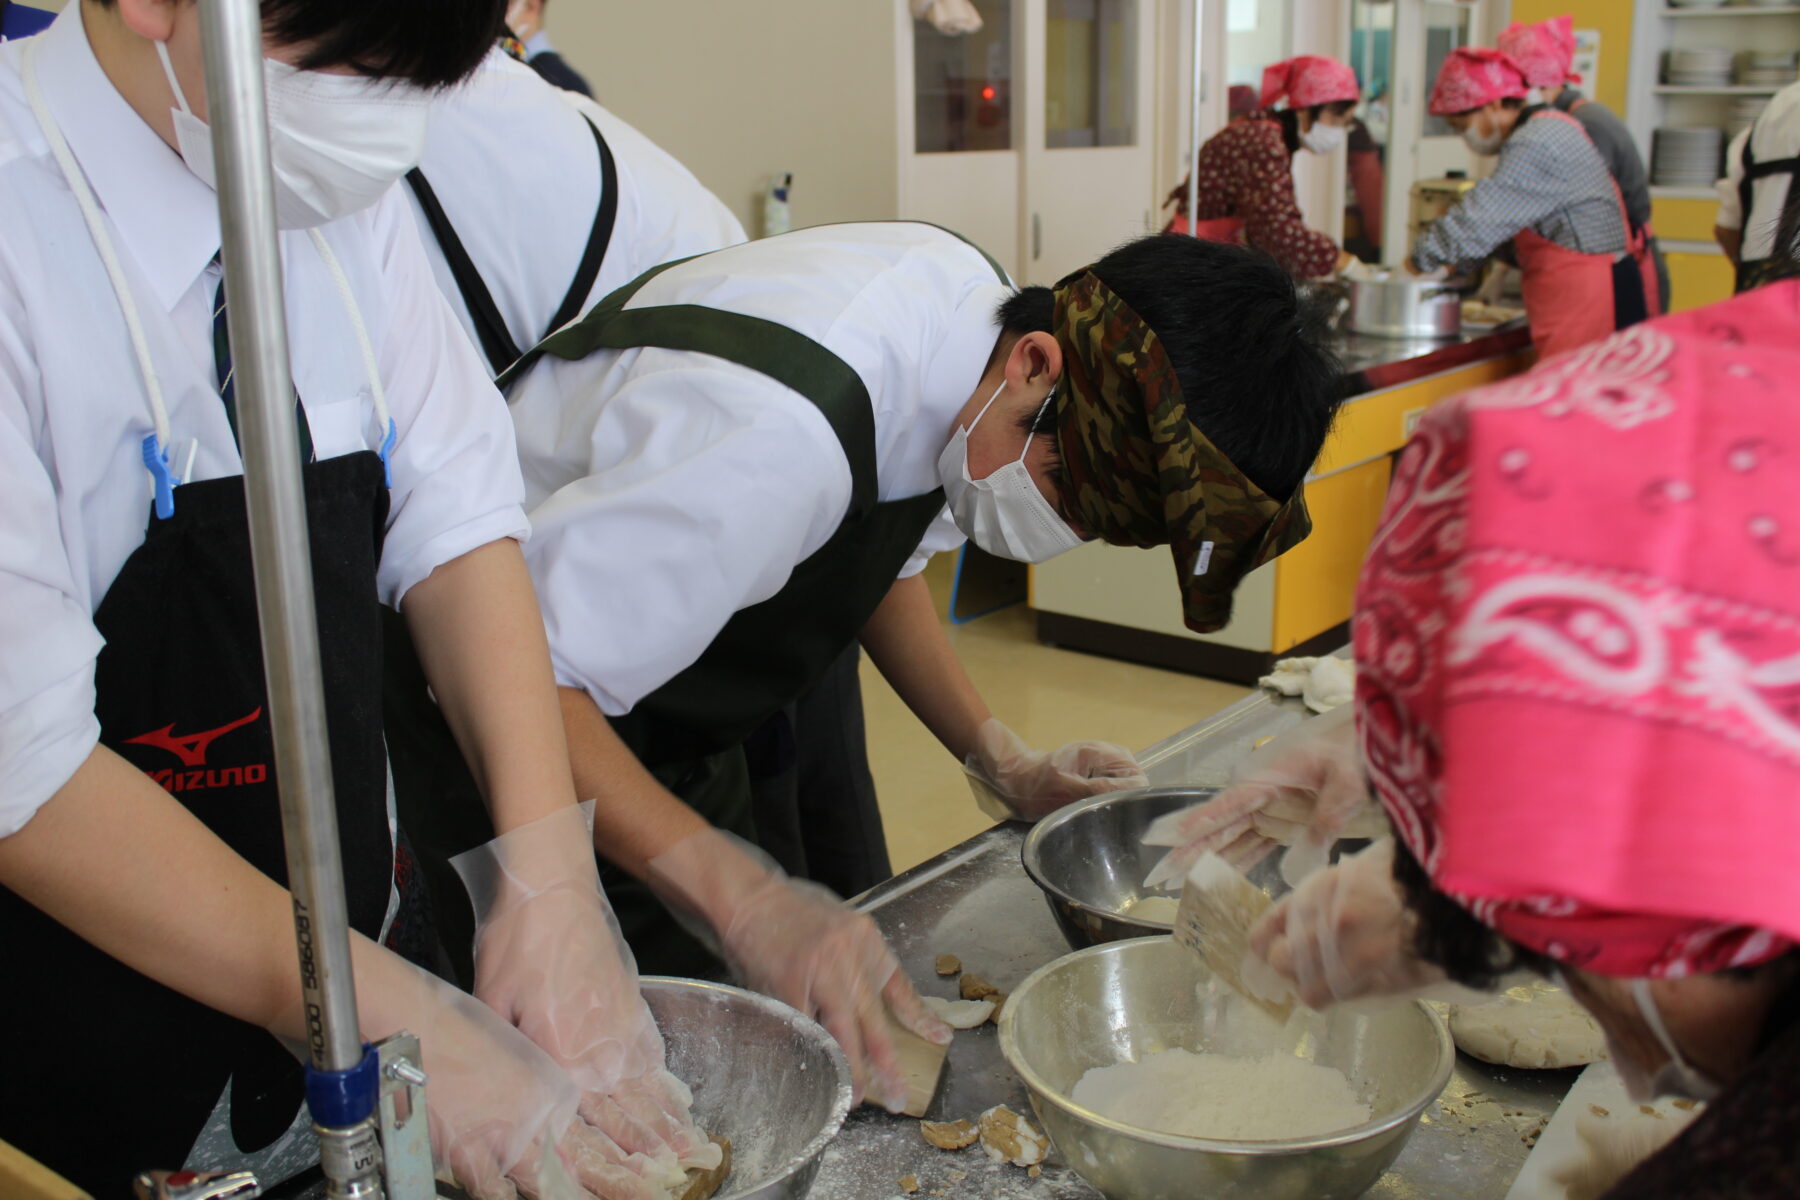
(812, 794)
(1754, 272)
(106, 1071)
(490, 328)
(180, 694)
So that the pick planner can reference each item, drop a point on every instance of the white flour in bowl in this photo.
(1272, 1097)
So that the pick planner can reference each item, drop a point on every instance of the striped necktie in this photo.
(224, 372)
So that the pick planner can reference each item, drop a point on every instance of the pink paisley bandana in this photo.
(1473, 76)
(1578, 641)
(1544, 51)
(1308, 80)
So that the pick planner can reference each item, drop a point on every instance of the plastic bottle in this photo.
(776, 217)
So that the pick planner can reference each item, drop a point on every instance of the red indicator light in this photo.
(987, 92)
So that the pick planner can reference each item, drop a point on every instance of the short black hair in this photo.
(1252, 353)
(427, 43)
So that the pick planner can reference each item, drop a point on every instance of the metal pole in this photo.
(1196, 84)
(280, 552)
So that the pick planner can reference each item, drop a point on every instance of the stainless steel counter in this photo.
(1374, 363)
(975, 902)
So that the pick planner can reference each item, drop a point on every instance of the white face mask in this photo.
(1486, 146)
(1324, 139)
(336, 142)
(1677, 1077)
(1005, 514)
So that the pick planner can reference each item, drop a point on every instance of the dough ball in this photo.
(1537, 1026)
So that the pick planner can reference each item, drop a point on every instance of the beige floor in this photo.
(1048, 696)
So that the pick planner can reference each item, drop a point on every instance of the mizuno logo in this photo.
(190, 748)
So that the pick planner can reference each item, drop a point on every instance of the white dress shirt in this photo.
(668, 490)
(514, 165)
(74, 493)
(1777, 134)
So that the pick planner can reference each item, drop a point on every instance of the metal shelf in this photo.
(1677, 89)
(1733, 10)
(1658, 191)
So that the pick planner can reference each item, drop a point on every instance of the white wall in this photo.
(740, 89)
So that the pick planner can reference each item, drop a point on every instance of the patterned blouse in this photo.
(1247, 170)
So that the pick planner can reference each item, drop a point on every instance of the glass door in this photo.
(1422, 146)
(1089, 170)
(1371, 130)
(963, 169)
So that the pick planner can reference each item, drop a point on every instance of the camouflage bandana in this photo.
(1137, 472)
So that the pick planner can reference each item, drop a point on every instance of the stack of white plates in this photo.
(1683, 157)
(1768, 68)
(1705, 66)
(1744, 111)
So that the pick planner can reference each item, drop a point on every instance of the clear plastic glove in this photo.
(1013, 782)
(549, 958)
(1361, 272)
(503, 1115)
(797, 942)
(1345, 934)
(1306, 789)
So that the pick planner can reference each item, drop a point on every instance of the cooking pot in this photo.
(1403, 307)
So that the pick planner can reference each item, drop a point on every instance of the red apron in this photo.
(1219, 229)
(1641, 237)
(1570, 297)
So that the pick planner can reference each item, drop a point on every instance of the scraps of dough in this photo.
(1273, 1097)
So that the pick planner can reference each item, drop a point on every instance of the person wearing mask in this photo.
(740, 464)
(525, 18)
(141, 853)
(602, 204)
(1537, 696)
(1759, 174)
(1545, 53)
(1535, 730)
(1551, 195)
(1246, 176)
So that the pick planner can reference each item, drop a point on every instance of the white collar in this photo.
(955, 367)
(167, 218)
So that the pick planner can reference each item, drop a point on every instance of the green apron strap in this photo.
(789, 358)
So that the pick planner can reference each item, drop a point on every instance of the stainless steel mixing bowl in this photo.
(1125, 1000)
(1090, 861)
(771, 1080)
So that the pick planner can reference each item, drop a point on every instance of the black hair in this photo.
(427, 43)
(1784, 255)
(1252, 354)
(1512, 103)
(1449, 937)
